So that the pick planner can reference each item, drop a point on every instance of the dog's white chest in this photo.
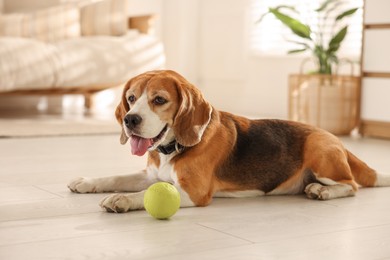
(165, 172)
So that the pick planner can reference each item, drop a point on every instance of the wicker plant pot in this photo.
(330, 102)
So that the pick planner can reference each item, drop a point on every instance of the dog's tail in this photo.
(364, 175)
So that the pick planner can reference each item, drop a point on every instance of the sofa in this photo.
(54, 47)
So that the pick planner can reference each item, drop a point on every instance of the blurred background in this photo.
(62, 59)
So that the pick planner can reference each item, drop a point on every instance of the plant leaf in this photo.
(333, 58)
(346, 13)
(292, 8)
(324, 5)
(335, 42)
(296, 26)
(262, 17)
(334, 7)
(297, 51)
(333, 49)
(307, 46)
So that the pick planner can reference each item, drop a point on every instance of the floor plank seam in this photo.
(42, 189)
(228, 234)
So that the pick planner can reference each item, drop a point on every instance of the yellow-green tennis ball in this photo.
(162, 200)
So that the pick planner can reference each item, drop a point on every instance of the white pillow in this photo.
(27, 63)
(106, 17)
(49, 24)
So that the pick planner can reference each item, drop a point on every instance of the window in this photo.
(270, 37)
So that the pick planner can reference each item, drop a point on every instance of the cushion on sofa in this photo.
(106, 17)
(27, 64)
(17, 6)
(77, 62)
(107, 60)
(49, 24)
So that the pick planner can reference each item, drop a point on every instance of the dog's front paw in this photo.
(118, 203)
(317, 191)
(82, 185)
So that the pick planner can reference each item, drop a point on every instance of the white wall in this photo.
(180, 35)
(207, 42)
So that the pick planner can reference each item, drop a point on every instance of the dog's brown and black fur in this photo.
(215, 153)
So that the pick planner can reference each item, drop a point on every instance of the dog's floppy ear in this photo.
(121, 111)
(193, 115)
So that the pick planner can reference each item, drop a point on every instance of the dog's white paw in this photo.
(83, 185)
(317, 191)
(117, 203)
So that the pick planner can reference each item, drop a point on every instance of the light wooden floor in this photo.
(41, 219)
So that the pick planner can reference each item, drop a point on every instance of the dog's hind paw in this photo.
(317, 191)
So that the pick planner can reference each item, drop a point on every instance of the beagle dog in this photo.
(208, 153)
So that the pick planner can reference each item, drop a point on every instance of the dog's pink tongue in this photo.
(139, 145)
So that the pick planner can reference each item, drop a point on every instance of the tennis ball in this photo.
(162, 200)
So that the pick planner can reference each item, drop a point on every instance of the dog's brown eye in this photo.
(159, 101)
(132, 99)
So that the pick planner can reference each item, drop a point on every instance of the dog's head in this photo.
(158, 107)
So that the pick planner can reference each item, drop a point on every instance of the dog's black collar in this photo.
(170, 148)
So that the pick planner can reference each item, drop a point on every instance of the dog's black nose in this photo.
(132, 120)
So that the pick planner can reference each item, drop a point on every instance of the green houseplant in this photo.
(322, 98)
(325, 52)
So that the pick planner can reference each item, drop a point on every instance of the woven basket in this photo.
(331, 102)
